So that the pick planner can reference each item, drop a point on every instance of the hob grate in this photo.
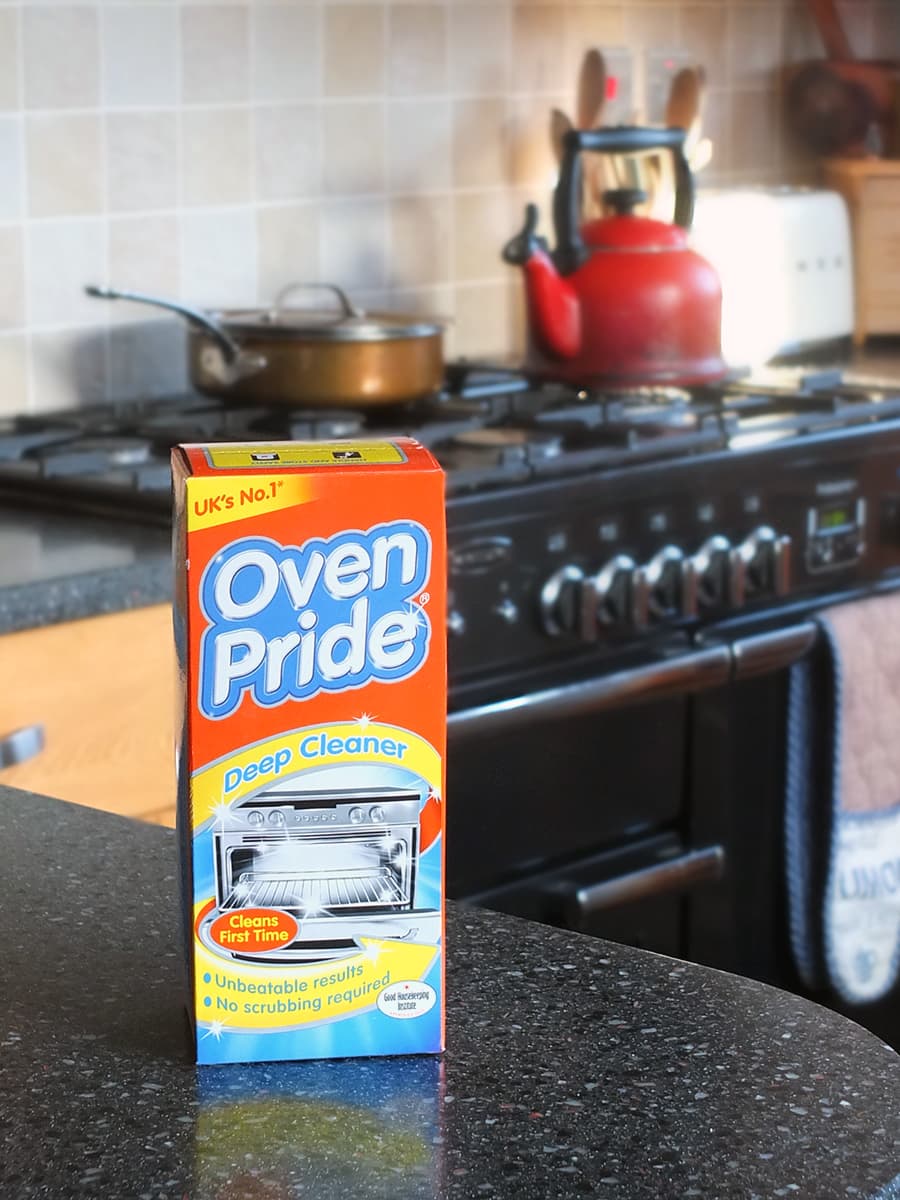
(350, 889)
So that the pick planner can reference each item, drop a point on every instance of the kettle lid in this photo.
(628, 231)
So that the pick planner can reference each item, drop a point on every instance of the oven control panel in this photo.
(596, 565)
(673, 585)
(281, 812)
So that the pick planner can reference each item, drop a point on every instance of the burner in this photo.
(496, 455)
(526, 444)
(173, 426)
(323, 424)
(18, 436)
(221, 422)
(88, 455)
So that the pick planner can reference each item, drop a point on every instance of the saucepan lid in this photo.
(344, 323)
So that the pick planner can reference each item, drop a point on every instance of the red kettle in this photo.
(622, 301)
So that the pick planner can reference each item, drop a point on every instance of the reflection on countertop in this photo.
(58, 567)
(42, 546)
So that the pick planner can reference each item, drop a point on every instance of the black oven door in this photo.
(573, 803)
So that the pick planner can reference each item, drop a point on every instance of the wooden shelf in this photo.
(871, 188)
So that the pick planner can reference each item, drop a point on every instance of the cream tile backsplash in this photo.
(61, 55)
(141, 161)
(9, 58)
(64, 164)
(140, 55)
(216, 151)
(215, 65)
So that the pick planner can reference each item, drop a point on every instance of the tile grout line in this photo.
(252, 131)
(28, 344)
(179, 146)
(385, 148)
(104, 210)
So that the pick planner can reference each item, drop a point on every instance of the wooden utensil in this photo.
(831, 29)
(683, 111)
(559, 127)
(591, 90)
(683, 104)
(702, 155)
(589, 105)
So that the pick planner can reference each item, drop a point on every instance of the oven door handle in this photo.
(677, 875)
(709, 666)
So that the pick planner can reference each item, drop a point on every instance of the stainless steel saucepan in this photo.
(335, 357)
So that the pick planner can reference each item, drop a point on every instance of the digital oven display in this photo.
(835, 534)
(835, 517)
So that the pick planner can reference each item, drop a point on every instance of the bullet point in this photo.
(207, 1000)
(207, 978)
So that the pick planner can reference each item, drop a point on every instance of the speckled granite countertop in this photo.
(574, 1067)
(58, 567)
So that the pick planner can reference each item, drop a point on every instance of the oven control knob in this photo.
(255, 817)
(376, 813)
(356, 816)
(615, 596)
(560, 601)
(507, 610)
(761, 564)
(712, 575)
(276, 817)
(456, 623)
(668, 584)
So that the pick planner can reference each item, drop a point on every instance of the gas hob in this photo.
(489, 428)
(580, 523)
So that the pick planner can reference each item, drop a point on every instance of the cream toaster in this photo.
(785, 259)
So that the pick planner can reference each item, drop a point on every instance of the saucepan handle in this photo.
(348, 308)
(224, 361)
(194, 316)
(620, 139)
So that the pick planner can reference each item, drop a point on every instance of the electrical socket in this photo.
(620, 107)
(661, 65)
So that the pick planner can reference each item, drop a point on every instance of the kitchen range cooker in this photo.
(630, 575)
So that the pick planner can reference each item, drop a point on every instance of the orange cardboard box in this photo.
(310, 618)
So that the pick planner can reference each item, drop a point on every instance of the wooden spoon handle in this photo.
(830, 26)
(559, 127)
(591, 90)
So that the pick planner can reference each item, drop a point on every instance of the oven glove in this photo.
(842, 803)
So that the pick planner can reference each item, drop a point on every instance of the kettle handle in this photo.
(620, 139)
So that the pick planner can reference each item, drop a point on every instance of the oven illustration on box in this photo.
(310, 618)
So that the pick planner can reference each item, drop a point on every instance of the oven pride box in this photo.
(310, 618)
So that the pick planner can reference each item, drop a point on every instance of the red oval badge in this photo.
(430, 821)
(254, 930)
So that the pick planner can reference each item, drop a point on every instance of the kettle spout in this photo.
(554, 311)
(519, 249)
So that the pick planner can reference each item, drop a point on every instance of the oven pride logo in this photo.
(286, 622)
